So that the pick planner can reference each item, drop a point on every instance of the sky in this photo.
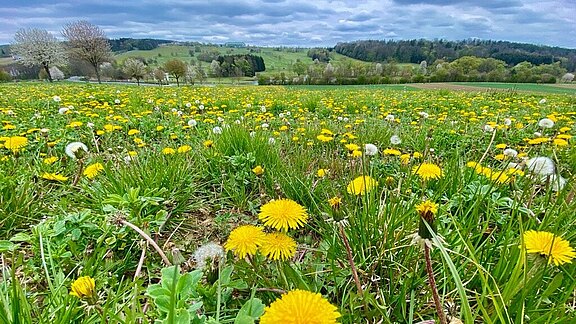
(305, 23)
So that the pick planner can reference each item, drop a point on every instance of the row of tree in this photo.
(418, 50)
(467, 68)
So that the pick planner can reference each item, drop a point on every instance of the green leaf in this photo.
(156, 291)
(6, 246)
(225, 275)
(253, 308)
(163, 303)
(554, 284)
(181, 317)
(169, 274)
(243, 319)
(21, 237)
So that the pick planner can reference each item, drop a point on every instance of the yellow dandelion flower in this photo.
(321, 173)
(168, 150)
(300, 306)
(394, 152)
(352, 147)
(324, 138)
(278, 246)
(184, 149)
(335, 202)
(427, 207)
(53, 177)
(283, 214)
(208, 143)
(560, 142)
(416, 155)
(50, 160)
(133, 132)
(15, 143)
(244, 240)
(159, 128)
(356, 153)
(361, 185)
(258, 170)
(93, 170)
(427, 171)
(84, 288)
(546, 244)
(405, 159)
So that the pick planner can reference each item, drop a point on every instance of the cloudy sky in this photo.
(303, 22)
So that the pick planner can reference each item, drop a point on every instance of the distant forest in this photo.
(131, 44)
(418, 50)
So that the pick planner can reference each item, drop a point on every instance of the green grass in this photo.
(528, 87)
(178, 165)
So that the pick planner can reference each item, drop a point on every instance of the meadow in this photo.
(126, 204)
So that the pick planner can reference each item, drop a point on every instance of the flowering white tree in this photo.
(36, 47)
(135, 69)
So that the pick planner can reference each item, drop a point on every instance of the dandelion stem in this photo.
(148, 239)
(351, 260)
(432, 282)
(488, 148)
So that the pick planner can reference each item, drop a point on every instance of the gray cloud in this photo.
(304, 23)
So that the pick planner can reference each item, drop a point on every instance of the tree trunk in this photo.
(47, 72)
(97, 73)
(138, 81)
(177, 83)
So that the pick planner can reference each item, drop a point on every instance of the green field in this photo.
(276, 60)
(272, 204)
(528, 87)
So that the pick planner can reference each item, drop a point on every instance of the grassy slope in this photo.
(276, 61)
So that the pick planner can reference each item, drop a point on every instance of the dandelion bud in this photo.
(427, 211)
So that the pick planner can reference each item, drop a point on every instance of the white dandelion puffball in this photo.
(507, 121)
(395, 140)
(63, 110)
(192, 122)
(90, 125)
(116, 101)
(370, 149)
(217, 130)
(546, 123)
(537, 134)
(541, 165)
(488, 128)
(188, 105)
(510, 152)
(56, 99)
(263, 109)
(264, 126)
(542, 101)
(207, 251)
(389, 117)
(201, 107)
(73, 149)
(281, 115)
(423, 114)
(557, 182)
(271, 140)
